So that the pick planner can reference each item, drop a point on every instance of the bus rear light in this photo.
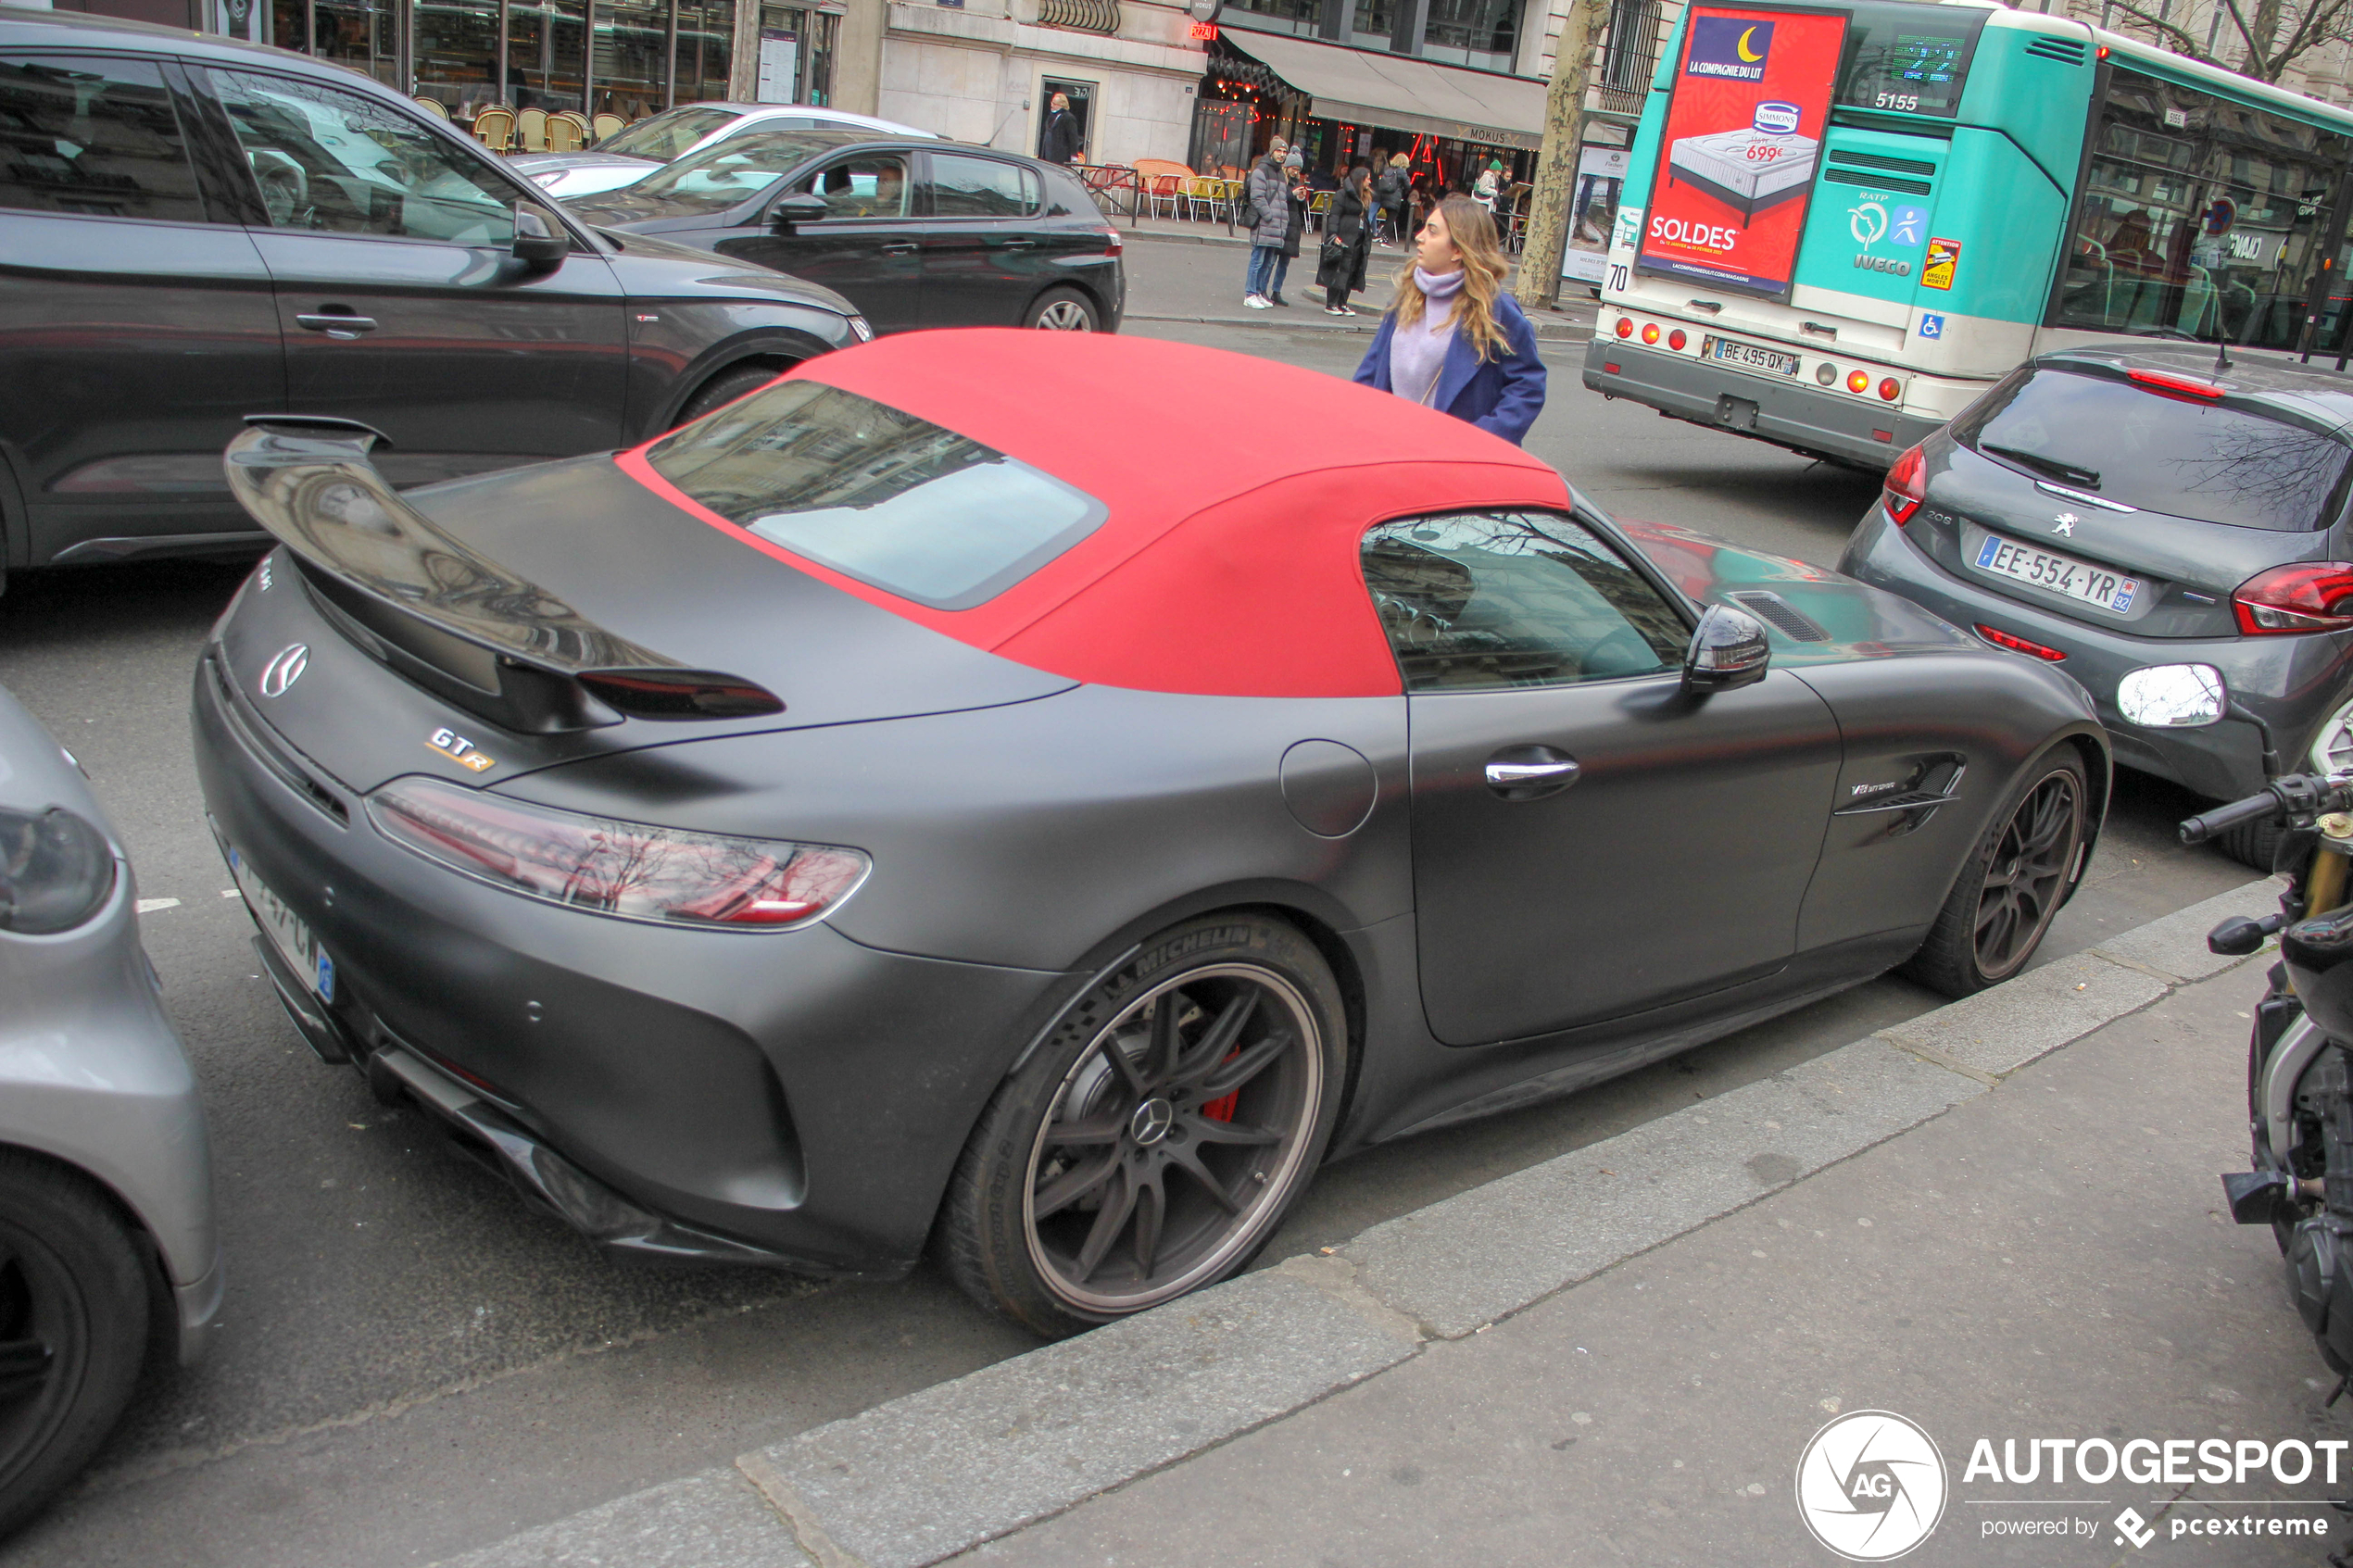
(1858, 381)
(1675, 340)
(1827, 373)
(1891, 389)
(1624, 326)
(2313, 596)
(1650, 331)
(2186, 386)
(1906, 489)
(2017, 644)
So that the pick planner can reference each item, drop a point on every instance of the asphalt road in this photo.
(410, 1363)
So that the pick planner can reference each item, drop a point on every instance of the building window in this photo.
(1306, 12)
(1477, 27)
(1373, 17)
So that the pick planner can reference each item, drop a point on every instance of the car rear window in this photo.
(2184, 455)
(876, 494)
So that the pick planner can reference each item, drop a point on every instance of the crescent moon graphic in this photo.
(1742, 46)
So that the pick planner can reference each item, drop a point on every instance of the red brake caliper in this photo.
(1223, 1109)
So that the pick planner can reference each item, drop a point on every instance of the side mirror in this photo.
(540, 239)
(798, 208)
(1728, 652)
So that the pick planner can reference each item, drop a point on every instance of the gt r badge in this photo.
(461, 750)
(285, 669)
(2065, 523)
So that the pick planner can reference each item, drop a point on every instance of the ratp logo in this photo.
(1731, 49)
(1870, 1485)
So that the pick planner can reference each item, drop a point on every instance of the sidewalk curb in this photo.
(934, 1473)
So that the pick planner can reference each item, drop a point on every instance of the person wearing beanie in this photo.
(1296, 195)
(1453, 339)
(1266, 187)
(1489, 188)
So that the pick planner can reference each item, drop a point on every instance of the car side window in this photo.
(866, 186)
(1485, 601)
(331, 161)
(980, 187)
(92, 136)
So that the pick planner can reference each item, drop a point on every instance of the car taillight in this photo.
(1112, 242)
(1675, 340)
(2184, 386)
(1905, 488)
(2017, 644)
(615, 868)
(1624, 326)
(57, 871)
(2310, 597)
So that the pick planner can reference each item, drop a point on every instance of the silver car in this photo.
(105, 1178)
(628, 156)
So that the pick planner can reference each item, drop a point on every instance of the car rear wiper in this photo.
(2089, 478)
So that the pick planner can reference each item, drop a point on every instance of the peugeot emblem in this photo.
(284, 670)
(2066, 522)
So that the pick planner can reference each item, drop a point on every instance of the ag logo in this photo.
(285, 667)
(1870, 1485)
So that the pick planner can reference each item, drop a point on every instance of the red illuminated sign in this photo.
(1744, 128)
(1204, 30)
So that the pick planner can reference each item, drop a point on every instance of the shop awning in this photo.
(1399, 93)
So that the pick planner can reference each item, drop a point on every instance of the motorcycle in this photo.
(2300, 1052)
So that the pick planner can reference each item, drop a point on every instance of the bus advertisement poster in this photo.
(1744, 135)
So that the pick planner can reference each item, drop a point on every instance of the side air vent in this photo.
(1876, 181)
(1792, 624)
(1880, 160)
(2066, 51)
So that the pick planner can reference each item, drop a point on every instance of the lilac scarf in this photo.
(1417, 349)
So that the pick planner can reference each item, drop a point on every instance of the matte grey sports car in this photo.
(886, 808)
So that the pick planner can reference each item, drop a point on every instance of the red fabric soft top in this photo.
(1238, 491)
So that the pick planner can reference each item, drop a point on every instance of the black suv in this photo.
(193, 229)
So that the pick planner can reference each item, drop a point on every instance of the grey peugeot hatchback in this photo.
(195, 229)
(2171, 532)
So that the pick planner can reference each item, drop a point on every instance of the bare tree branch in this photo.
(2254, 50)
(2187, 44)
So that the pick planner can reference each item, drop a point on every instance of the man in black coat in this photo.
(1059, 142)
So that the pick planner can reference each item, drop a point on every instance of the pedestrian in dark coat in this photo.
(1348, 243)
(1390, 191)
(1058, 142)
(1454, 339)
(1297, 194)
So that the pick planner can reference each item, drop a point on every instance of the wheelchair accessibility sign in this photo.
(1931, 324)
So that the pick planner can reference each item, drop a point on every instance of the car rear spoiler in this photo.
(441, 612)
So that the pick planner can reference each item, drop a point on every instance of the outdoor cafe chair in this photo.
(495, 127)
(433, 106)
(1319, 207)
(531, 130)
(606, 125)
(566, 134)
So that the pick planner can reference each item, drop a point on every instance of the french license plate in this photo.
(285, 929)
(2078, 580)
(1750, 358)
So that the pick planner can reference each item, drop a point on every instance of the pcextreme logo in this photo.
(1870, 1485)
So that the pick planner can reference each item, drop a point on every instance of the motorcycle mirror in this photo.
(1728, 652)
(540, 239)
(797, 209)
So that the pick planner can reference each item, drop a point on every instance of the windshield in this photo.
(730, 171)
(665, 136)
(2184, 455)
(875, 494)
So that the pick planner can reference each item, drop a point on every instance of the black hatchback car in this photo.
(2171, 532)
(192, 230)
(915, 231)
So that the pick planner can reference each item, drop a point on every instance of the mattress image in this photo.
(1749, 170)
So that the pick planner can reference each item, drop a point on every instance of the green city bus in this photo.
(1841, 224)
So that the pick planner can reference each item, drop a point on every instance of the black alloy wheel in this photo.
(2003, 902)
(73, 1330)
(1154, 1143)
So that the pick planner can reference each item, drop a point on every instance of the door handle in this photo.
(337, 326)
(903, 247)
(1531, 772)
(1019, 244)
